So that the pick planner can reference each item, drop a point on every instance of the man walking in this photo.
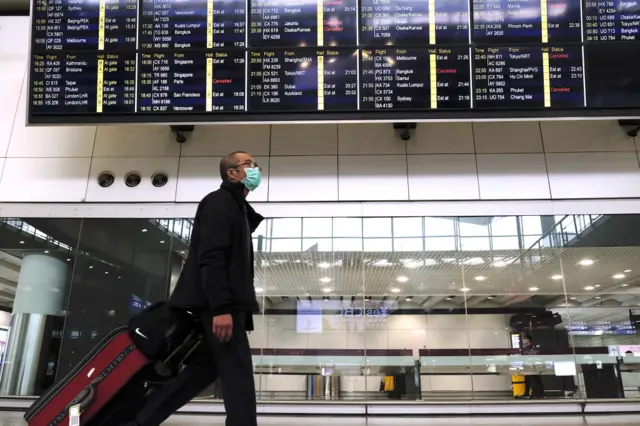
(216, 283)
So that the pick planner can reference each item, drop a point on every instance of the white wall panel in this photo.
(594, 175)
(451, 383)
(507, 137)
(145, 191)
(2, 160)
(585, 136)
(328, 340)
(13, 72)
(135, 141)
(48, 142)
(303, 178)
(512, 176)
(373, 177)
(14, 37)
(304, 139)
(443, 177)
(486, 382)
(198, 176)
(220, 140)
(44, 179)
(447, 339)
(369, 138)
(442, 138)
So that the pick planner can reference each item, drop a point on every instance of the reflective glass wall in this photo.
(411, 308)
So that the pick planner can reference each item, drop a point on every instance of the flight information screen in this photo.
(102, 61)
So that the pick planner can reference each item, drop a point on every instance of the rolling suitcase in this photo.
(126, 357)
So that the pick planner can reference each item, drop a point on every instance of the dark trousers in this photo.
(230, 361)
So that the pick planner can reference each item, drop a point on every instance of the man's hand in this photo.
(223, 327)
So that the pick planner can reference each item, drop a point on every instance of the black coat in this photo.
(218, 273)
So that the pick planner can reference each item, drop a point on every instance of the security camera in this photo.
(404, 130)
(181, 132)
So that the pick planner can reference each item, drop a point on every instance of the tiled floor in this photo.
(15, 419)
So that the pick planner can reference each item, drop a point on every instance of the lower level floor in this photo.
(15, 419)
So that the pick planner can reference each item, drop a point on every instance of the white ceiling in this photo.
(507, 277)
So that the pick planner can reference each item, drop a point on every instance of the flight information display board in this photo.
(102, 61)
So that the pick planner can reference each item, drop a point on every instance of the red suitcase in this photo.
(92, 383)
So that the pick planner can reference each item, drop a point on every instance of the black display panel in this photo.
(612, 20)
(187, 82)
(414, 22)
(526, 21)
(109, 61)
(193, 24)
(309, 23)
(415, 78)
(303, 80)
(89, 25)
(83, 83)
(614, 75)
(528, 77)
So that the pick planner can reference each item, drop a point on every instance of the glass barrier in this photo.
(354, 309)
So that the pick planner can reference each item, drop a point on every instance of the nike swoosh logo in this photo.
(140, 334)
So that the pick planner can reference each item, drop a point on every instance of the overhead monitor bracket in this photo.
(404, 130)
(631, 126)
(181, 131)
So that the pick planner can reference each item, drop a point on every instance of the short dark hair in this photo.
(228, 162)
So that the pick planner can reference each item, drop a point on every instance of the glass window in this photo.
(407, 227)
(286, 228)
(438, 227)
(317, 227)
(347, 227)
(377, 227)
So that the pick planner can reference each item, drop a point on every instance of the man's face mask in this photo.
(253, 179)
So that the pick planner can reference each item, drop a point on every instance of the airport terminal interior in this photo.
(358, 310)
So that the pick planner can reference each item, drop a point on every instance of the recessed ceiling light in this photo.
(161, 241)
(465, 289)
(556, 277)
(106, 272)
(46, 252)
(90, 266)
(323, 265)
(618, 276)
(627, 270)
(489, 297)
(598, 297)
(586, 262)
(259, 289)
(449, 297)
(327, 290)
(119, 277)
(68, 259)
(144, 230)
(625, 285)
(573, 298)
(589, 288)
(325, 279)
(402, 279)
(395, 290)
(21, 242)
(480, 278)
(533, 289)
(409, 299)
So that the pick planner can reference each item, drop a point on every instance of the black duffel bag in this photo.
(160, 329)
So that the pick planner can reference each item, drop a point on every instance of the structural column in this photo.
(40, 297)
